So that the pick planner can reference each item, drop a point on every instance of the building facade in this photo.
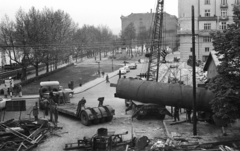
(210, 15)
(145, 20)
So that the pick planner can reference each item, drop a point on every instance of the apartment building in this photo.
(145, 20)
(210, 15)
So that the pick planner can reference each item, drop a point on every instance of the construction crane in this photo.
(156, 44)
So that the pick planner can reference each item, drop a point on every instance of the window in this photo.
(207, 2)
(207, 26)
(223, 12)
(223, 25)
(237, 2)
(206, 49)
(207, 12)
(190, 49)
(206, 39)
(224, 2)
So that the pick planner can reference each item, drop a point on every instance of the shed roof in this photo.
(214, 57)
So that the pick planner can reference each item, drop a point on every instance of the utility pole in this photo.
(194, 75)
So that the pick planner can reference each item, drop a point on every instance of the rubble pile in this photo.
(192, 144)
(23, 134)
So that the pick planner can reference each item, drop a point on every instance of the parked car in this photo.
(126, 68)
(123, 70)
(132, 66)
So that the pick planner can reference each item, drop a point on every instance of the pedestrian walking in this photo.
(36, 111)
(20, 90)
(176, 114)
(5, 91)
(107, 79)
(103, 74)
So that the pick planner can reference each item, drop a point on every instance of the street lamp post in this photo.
(112, 64)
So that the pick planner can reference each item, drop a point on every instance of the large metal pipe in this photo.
(163, 94)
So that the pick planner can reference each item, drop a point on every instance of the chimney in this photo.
(150, 10)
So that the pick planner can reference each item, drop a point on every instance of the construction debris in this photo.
(23, 134)
(193, 144)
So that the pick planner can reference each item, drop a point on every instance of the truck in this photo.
(87, 115)
(56, 88)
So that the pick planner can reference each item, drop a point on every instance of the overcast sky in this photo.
(90, 12)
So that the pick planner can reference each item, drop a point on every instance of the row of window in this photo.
(223, 2)
(223, 12)
(207, 26)
(207, 49)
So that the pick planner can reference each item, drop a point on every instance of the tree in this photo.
(143, 36)
(226, 85)
(128, 35)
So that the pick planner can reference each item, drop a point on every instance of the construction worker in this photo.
(51, 105)
(101, 99)
(11, 90)
(40, 92)
(5, 91)
(35, 111)
(176, 114)
(81, 106)
(55, 114)
(189, 112)
(20, 90)
(61, 98)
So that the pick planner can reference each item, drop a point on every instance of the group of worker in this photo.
(50, 106)
(176, 114)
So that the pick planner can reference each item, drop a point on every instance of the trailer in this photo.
(142, 110)
(88, 116)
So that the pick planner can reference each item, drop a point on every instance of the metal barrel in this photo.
(163, 93)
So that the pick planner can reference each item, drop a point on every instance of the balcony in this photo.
(224, 5)
(223, 18)
(208, 18)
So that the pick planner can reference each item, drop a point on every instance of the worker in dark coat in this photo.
(35, 111)
(55, 114)
(51, 105)
(40, 92)
(189, 112)
(20, 90)
(81, 106)
(176, 114)
(5, 91)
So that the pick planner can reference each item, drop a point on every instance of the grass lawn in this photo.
(74, 73)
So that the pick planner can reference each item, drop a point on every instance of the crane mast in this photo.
(156, 43)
